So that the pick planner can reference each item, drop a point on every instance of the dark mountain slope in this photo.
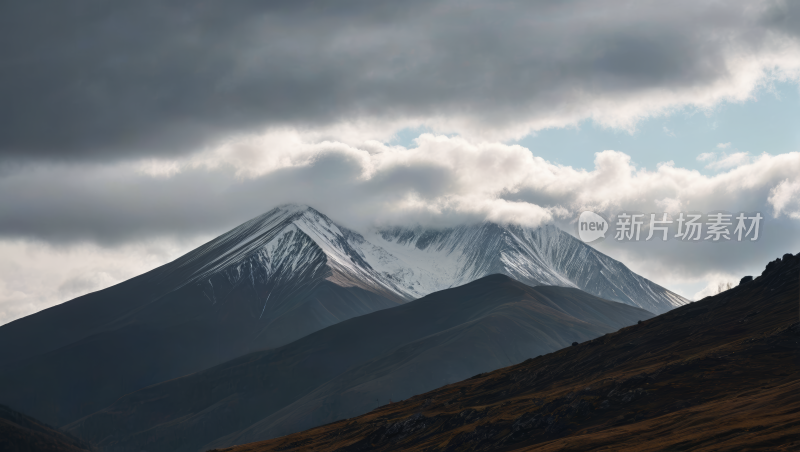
(544, 319)
(720, 374)
(356, 365)
(20, 433)
(84, 376)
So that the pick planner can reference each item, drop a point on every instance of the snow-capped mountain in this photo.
(269, 282)
(292, 248)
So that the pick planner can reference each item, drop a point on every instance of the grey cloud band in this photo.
(107, 80)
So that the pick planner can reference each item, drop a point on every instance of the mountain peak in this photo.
(291, 208)
(283, 211)
(403, 263)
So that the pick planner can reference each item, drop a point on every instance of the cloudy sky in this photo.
(131, 133)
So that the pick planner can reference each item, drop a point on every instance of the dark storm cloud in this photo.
(111, 206)
(82, 79)
(92, 80)
(784, 16)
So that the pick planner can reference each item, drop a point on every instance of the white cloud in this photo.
(785, 198)
(723, 146)
(716, 284)
(726, 161)
(35, 275)
(443, 180)
(671, 206)
(723, 160)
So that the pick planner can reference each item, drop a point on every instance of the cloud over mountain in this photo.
(442, 182)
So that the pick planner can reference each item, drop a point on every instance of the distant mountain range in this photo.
(720, 374)
(267, 283)
(356, 365)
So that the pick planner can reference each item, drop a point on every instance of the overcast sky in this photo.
(132, 132)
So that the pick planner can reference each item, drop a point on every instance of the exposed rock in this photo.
(633, 395)
(771, 265)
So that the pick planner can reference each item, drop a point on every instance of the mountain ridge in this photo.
(341, 370)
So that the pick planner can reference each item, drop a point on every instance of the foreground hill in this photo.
(20, 433)
(264, 284)
(354, 366)
(720, 374)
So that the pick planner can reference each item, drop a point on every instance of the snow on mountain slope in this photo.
(295, 247)
(281, 256)
(536, 256)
